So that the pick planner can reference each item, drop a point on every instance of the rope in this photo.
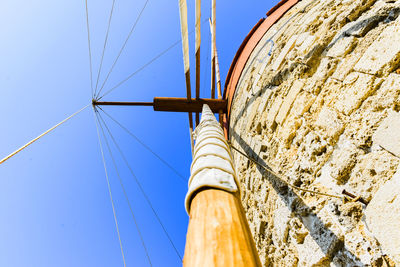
(269, 169)
(123, 47)
(142, 67)
(105, 44)
(141, 188)
(146, 147)
(125, 194)
(109, 188)
(90, 50)
(40, 136)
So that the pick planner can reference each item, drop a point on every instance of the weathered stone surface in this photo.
(383, 217)
(388, 134)
(371, 171)
(289, 45)
(381, 57)
(357, 87)
(321, 135)
(310, 253)
(343, 160)
(330, 122)
(281, 225)
(342, 47)
(288, 101)
(271, 114)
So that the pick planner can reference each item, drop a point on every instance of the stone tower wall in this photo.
(323, 111)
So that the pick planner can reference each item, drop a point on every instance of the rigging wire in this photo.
(109, 186)
(90, 50)
(140, 187)
(269, 169)
(105, 44)
(144, 66)
(123, 190)
(41, 135)
(123, 47)
(147, 147)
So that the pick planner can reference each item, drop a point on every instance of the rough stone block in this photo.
(319, 245)
(302, 104)
(381, 57)
(288, 101)
(343, 160)
(345, 66)
(330, 122)
(302, 38)
(383, 217)
(371, 172)
(271, 114)
(287, 132)
(264, 101)
(342, 47)
(388, 134)
(282, 55)
(310, 254)
(306, 45)
(325, 69)
(357, 87)
(281, 220)
(357, 28)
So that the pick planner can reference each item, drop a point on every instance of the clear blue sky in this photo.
(54, 203)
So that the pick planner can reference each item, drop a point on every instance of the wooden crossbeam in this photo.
(183, 105)
(174, 104)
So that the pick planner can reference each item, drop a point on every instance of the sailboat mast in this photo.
(218, 232)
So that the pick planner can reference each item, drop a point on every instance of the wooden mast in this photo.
(218, 234)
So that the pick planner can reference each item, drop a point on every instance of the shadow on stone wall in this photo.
(326, 239)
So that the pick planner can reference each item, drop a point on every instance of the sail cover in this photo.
(212, 165)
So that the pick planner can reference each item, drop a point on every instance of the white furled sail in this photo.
(212, 165)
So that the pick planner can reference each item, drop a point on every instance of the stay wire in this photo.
(41, 135)
(90, 50)
(124, 191)
(146, 147)
(109, 186)
(140, 187)
(144, 66)
(123, 47)
(269, 169)
(105, 44)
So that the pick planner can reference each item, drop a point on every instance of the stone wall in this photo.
(323, 111)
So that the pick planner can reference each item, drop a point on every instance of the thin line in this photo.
(124, 191)
(40, 136)
(143, 66)
(105, 44)
(90, 50)
(269, 169)
(145, 146)
(123, 47)
(140, 187)
(109, 187)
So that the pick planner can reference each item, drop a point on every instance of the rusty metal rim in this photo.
(245, 50)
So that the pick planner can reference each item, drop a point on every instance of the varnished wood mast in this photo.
(218, 234)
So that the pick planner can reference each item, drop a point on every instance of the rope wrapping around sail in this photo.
(212, 165)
